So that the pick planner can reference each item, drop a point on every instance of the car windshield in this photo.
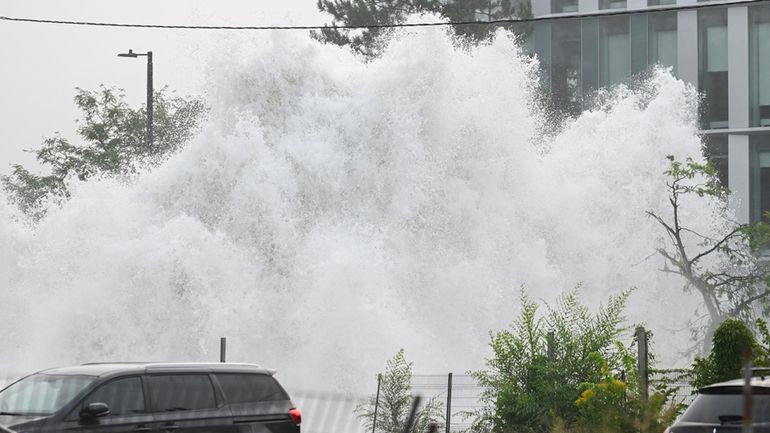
(726, 408)
(41, 394)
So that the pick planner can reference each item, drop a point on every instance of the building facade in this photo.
(722, 49)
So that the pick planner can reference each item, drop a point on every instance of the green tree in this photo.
(725, 361)
(371, 41)
(112, 142)
(395, 401)
(726, 270)
(524, 390)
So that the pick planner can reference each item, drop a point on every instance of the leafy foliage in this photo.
(588, 383)
(113, 143)
(370, 41)
(725, 361)
(614, 405)
(524, 389)
(725, 271)
(395, 401)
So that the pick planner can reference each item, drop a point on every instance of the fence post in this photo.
(747, 373)
(223, 349)
(641, 339)
(449, 403)
(550, 343)
(376, 402)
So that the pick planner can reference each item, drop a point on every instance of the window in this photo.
(759, 65)
(589, 55)
(181, 392)
(612, 4)
(122, 396)
(248, 388)
(760, 176)
(42, 394)
(565, 66)
(712, 52)
(614, 51)
(660, 2)
(662, 39)
(559, 6)
(715, 149)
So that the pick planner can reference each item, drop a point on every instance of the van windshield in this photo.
(41, 394)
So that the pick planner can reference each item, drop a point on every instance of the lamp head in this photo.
(130, 53)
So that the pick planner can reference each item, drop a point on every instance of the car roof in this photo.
(111, 368)
(757, 381)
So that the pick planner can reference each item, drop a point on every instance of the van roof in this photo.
(757, 382)
(109, 368)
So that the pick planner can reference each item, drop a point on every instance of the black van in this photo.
(719, 408)
(150, 397)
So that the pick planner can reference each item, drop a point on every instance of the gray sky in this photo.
(43, 63)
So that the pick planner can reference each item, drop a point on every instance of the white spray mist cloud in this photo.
(333, 211)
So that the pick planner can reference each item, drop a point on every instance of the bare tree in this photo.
(726, 270)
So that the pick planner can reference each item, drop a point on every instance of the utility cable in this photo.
(499, 22)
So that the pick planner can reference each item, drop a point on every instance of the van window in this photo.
(177, 392)
(42, 394)
(249, 388)
(123, 396)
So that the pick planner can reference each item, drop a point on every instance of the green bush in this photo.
(579, 387)
(725, 361)
(525, 391)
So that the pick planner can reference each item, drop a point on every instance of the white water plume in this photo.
(334, 211)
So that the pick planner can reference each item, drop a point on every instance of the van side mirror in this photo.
(95, 410)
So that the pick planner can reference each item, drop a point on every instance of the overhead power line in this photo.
(499, 22)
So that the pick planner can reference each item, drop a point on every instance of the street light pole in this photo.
(148, 54)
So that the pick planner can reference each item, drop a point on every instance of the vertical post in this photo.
(149, 100)
(449, 402)
(550, 348)
(550, 343)
(223, 349)
(412, 414)
(747, 427)
(376, 402)
(641, 339)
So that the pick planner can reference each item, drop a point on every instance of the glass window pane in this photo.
(249, 388)
(763, 34)
(759, 65)
(663, 40)
(181, 392)
(760, 177)
(713, 75)
(42, 394)
(590, 56)
(565, 66)
(122, 396)
(558, 6)
(715, 150)
(612, 4)
(660, 2)
(638, 30)
(614, 51)
(716, 45)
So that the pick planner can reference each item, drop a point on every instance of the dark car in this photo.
(150, 397)
(718, 408)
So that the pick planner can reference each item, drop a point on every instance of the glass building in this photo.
(723, 50)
